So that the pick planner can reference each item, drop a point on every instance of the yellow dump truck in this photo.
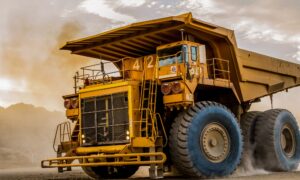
(174, 93)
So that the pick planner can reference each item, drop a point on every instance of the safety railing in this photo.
(147, 125)
(115, 160)
(97, 74)
(218, 68)
(153, 130)
(158, 117)
(62, 134)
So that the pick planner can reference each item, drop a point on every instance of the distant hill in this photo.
(26, 134)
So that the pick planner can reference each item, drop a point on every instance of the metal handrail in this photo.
(62, 129)
(95, 74)
(154, 129)
(163, 128)
(152, 120)
(215, 62)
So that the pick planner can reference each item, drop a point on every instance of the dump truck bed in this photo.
(253, 75)
(264, 75)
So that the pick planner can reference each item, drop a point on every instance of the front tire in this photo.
(107, 172)
(278, 141)
(208, 141)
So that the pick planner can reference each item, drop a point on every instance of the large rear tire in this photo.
(248, 123)
(206, 141)
(277, 139)
(107, 172)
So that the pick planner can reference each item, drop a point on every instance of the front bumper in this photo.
(97, 160)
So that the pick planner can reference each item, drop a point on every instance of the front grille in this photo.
(105, 119)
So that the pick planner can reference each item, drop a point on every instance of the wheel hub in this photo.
(215, 142)
(287, 140)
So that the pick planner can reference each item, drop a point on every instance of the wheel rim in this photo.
(287, 140)
(215, 142)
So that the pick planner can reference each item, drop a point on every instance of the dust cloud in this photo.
(27, 132)
(26, 135)
(51, 73)
(32, 32)
(40, 74)
(246, 168)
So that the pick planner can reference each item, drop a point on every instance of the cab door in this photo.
(193, 69)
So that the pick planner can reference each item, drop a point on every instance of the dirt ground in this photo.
(77, 174)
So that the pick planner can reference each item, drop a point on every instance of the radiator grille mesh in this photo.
(105, 119)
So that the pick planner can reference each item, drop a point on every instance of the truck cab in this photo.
(182, 66)
(180, 60)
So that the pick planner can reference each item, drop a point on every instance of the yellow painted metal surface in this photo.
(171, 71)
(142, 142)
(177, 98)
(184, 42)
(150, 63)
(70, 113)
(133, 68)
(121, 159)
(100, 149)
(266, 74)
(89, 89)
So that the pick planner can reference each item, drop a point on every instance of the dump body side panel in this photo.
(263, 75)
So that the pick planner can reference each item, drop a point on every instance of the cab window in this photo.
(185, 51)
(194, 53)
(170, 55)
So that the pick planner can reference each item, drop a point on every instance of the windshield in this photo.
(170, 55)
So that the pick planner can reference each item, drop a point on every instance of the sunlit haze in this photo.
(5, 85)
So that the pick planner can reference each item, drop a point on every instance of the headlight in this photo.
(166, 88)
(74, 103)
(176, 87)
(67, 103)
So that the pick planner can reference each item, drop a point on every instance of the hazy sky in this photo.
(33, 70)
